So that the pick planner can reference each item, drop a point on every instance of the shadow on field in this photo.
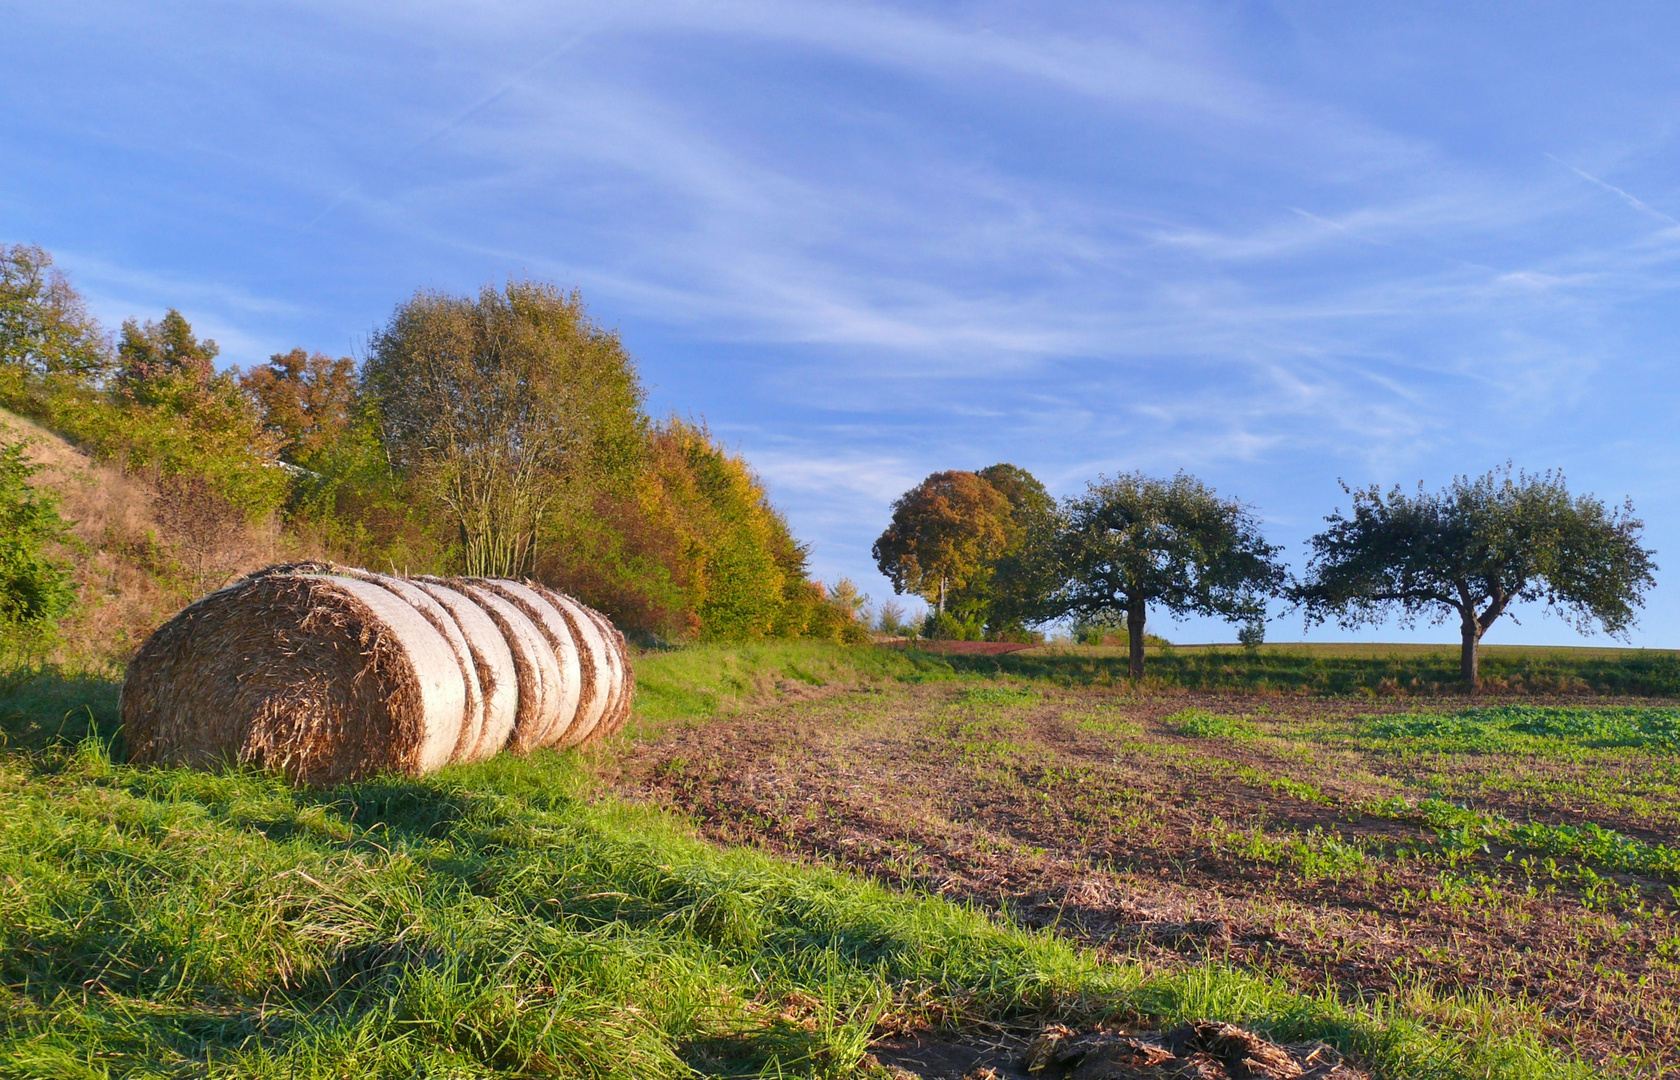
(767, 1051)
(46, 706)
(1655, 674)
(413, 809)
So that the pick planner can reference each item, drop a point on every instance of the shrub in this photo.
(35, 590)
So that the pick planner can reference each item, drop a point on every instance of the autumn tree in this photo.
(308, 401)
(500, 404)
(945, 533)
(1135, 541)
(1474, 549)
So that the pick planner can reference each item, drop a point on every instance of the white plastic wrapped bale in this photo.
(324, 677)
(445, 623)
(537, 668)
(623, 683)
(597, 660)
(561, 639)
(498, 677)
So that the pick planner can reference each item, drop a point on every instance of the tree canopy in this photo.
(496, 403)
(45, 328)
(308, 401)
(1022, 574)
(1474, 549)
(944, 535)
(163, 362)
(1135, 541)
(496, 433)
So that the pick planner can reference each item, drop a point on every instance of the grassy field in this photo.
(801, 854)
(1344, 669)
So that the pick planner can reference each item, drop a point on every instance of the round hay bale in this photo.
(326, 678)
(595, 689)
(498, 678)
(536, 666)
(559, 636)
(445, 623)
(617, 709)
(619, 714)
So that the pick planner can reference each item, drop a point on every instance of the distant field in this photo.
(1355, 668)
(1379, 650)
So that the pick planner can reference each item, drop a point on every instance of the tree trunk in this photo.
(1134, 634)
(942, 595)
(1468, 661)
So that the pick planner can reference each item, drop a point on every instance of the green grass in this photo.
(1345, 669)
(492, 921)
(704, 680)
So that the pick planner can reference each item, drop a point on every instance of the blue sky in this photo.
(1272, 244)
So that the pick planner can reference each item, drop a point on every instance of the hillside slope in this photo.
(143, 545)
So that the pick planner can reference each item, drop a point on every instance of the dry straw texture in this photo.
(331, 673)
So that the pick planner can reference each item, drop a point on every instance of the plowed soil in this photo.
(1094, 813)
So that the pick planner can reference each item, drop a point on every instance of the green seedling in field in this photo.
(1533, 729)
(1466, 831)
(1205, 725)
(982, 696)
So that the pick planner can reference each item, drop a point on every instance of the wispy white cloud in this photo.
(1637, 204)
(1083, 239)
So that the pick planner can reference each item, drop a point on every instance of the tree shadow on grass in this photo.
(48, 706)
(411, 809)
(780, 1048)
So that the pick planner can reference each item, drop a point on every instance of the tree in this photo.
(497, 406)
(164, 363)
(308, 402)
(1134, 541)
(945, 533)
(44, 325)
(1022, 574)
(1475, 549)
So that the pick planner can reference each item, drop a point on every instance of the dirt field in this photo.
(1277, 833)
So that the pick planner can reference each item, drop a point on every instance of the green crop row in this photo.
(1464, 829)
